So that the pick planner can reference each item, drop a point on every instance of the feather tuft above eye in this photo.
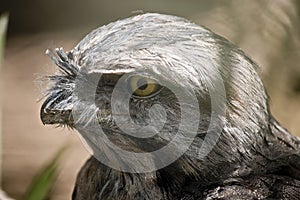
(64, 61)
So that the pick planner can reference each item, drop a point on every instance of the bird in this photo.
(170, 110)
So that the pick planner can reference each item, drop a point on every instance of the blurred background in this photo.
(267, 30)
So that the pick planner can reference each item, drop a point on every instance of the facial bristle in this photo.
(63, 61)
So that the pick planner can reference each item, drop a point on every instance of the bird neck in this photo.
(109, 183)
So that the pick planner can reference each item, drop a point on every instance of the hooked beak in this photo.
(56, 110)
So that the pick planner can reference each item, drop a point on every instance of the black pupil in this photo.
(142, 84)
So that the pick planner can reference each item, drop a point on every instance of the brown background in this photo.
(268, 30)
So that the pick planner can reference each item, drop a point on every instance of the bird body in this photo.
(170, 110)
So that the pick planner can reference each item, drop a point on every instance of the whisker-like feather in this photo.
(63, 61)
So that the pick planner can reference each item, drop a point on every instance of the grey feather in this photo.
(254, 158)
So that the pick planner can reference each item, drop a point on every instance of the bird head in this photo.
(152, 82)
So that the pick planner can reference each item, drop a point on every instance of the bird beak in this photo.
(57, 111)
(57, 108)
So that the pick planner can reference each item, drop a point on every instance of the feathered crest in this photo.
(63, 81)
(65, 61)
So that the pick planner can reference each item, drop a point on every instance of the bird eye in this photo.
(143, 86)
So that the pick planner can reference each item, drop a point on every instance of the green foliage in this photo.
(43, 183)
(3, 25)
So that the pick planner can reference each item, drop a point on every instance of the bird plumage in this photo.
(245, 154)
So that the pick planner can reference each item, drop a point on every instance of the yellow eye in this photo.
(142, 86)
